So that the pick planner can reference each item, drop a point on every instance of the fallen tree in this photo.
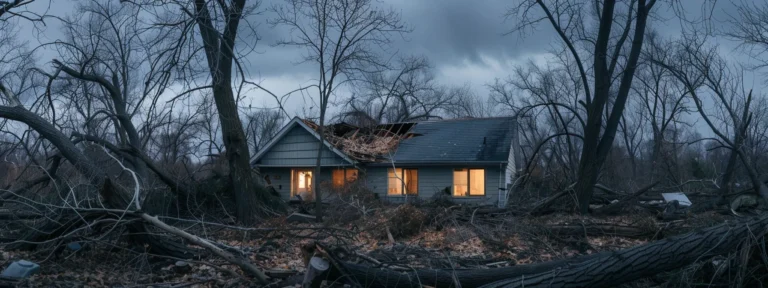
(604, 269)
(118, 202)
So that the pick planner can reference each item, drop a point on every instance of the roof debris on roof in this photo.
(456, 140)
(368, 144)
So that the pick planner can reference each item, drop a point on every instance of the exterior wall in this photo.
(434, 179)
(298, 148)
(281, 178)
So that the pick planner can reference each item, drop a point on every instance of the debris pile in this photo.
(368, 144)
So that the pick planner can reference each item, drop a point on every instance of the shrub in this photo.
(405, 220)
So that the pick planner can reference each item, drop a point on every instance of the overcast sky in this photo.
(463, 39)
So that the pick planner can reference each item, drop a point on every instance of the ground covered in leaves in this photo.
(397, 237)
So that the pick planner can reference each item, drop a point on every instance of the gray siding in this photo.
(281, 178)
(298, 148)
(434, 179)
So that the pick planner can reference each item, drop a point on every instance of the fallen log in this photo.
(615, 208)
(592, 229)
(370, 277)
(544, 204)
(605, 269)
(645, 260)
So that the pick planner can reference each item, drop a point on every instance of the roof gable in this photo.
(299, 124)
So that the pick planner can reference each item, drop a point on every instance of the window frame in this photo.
(346, 172)
(403, 183)
(469, 183)
(294, 181)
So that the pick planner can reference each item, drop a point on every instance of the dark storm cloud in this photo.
(449, 32)
(453, 34)
(453, 31)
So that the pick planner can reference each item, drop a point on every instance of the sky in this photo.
(464, 40)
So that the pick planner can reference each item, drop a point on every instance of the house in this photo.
(473, 160)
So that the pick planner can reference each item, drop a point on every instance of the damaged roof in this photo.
(458, 140)
(469, 140)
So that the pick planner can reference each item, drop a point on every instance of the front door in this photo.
(301, 184)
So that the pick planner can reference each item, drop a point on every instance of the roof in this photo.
(293, 123)
(458, 140)
(470, 140)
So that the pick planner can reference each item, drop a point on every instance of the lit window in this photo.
(468, 182)
(301, 183)
(343, 176)
(338, 178)
(403, 182)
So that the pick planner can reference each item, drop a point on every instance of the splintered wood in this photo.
(364, 144)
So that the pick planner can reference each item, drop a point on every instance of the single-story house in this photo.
(473, 160)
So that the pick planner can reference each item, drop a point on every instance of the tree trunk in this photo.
(606, 269)
(243, 184)
(220, 55)
(725, 182)
(597, 147)
(318, 165)
(588, 171)
(114, 197)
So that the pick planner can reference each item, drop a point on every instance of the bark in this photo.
(646, 260)
(220, 55)
(318, 166)
(53, 135)
(725, 182)
(597, 147)
(606, 269)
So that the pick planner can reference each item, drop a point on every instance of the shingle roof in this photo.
(459, 140)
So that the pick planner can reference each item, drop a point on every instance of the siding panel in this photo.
(298, 148)
(281, 178)
(434, 179)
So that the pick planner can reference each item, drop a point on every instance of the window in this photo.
(301, 183)
(468, 182)
(343, 176)
(403, 182)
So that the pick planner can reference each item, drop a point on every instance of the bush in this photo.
(405, 221)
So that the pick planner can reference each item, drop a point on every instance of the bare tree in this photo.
(545, 100)
(608, 50)
(700, 68)
(409, 92)
(262, 126)
(343, 38)
(751, 30)
(663, 100)
(219, 47)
